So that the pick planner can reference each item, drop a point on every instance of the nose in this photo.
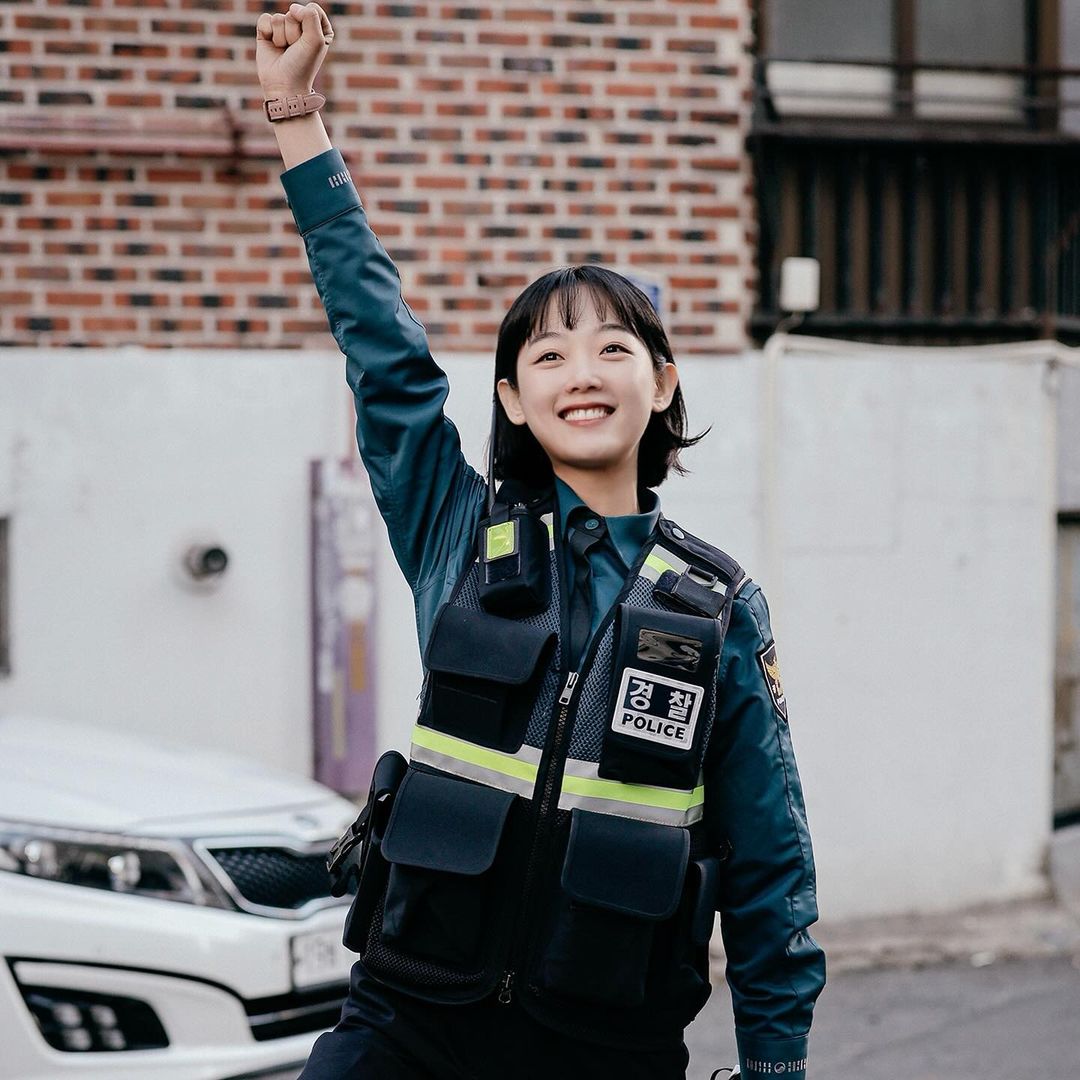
(582, 373)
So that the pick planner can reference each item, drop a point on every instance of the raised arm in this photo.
(429, 497)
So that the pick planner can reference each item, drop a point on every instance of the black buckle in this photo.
(691, 591)
(338, 862)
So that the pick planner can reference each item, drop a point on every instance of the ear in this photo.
(667, 378)
(511, 402)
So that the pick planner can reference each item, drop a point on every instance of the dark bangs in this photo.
(517, 453)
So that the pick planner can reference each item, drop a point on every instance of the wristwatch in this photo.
(285, 108)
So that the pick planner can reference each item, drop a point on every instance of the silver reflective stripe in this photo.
(549, 524)
(507, 772)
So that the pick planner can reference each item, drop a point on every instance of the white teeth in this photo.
(586, 414)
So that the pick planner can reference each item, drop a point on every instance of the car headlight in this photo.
(137, 866)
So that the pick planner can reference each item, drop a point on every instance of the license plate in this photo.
(319, 957)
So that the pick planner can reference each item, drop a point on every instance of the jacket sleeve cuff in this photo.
(761, 1056)
(319, 189)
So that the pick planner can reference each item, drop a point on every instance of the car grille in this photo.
(275, 877)
(295, 1013)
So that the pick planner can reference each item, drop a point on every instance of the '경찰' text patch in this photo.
(657, 709)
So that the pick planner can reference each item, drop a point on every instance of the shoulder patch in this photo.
(770, 668)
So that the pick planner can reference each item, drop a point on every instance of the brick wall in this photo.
(140, 201)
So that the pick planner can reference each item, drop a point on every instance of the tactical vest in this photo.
(546, 841)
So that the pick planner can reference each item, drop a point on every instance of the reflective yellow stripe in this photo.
(495, 760)
(517, 774)
(638, 794)
(657, 564)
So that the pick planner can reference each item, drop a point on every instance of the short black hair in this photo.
(517, 453)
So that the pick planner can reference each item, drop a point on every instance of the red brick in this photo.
(501, 86)
(499, 37)
(240, 275)
(531, 15)
(209, 202)
(715, 211)
(173, 176)
(441, 183)
(95, 324)
(41, 71)
(653, 18)
(185, 78)
(74, 299)
(42, 273)
(28, 322)
(119, 273)
(41, 22)
(39, 224)
(98, 24)
(714, 22)
(72, 198)
(631, 89)
(363, 81)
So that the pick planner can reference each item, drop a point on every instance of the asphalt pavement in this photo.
(984, 993)
(1004, 1020)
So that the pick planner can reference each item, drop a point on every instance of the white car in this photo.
(163, 913)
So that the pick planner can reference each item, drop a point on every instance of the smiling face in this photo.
(586, 391)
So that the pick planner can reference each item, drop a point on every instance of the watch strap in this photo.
(285, 108)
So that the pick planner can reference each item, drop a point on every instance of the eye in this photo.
(616, 345)
(544, 356)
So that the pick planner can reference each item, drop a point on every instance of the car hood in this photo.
(85, 777)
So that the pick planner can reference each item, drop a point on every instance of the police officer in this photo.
(602, 757)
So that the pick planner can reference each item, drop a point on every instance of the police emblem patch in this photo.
(656, 709)
(770, 666)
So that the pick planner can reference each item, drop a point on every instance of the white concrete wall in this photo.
(897, 507)
(913, 600)
(110, 464)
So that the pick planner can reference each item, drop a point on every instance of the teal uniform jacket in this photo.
(432, 500)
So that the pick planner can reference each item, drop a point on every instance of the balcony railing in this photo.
(940, 211)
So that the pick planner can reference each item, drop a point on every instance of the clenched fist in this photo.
(290, 47)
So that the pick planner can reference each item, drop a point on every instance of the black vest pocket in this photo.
(386, 779)
(483, 675)
(663, 681)
(620, 879)
(441, 843)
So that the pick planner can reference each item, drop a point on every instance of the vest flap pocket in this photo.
(439, 823)
(485, 646)
(628, 866)
(661, 699)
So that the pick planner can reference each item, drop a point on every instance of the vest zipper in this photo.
(543, 815)
(568, 690)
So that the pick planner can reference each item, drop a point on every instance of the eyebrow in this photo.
(558, 333)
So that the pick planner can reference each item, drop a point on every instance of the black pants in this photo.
(385, 1035)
